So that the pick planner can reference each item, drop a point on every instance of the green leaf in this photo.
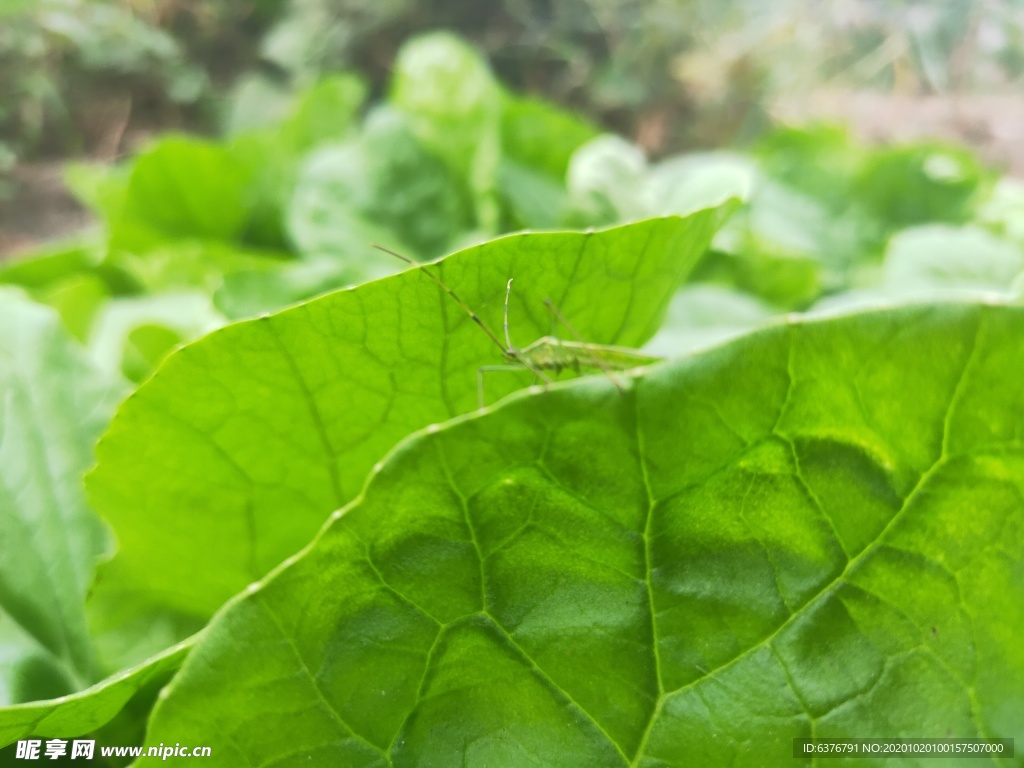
(93, 708)
(181, 187)
(921, 183)
(230, 457)
(248, 293)
(541, 136)
(453, 103)
(382, 186)
(607, 181)
(271, 166)
(78, 297)
(447, 91)
(412, 193)
(188, 264)
(51, 263)
(531, 199)
(958, 258)
(701, 315)
(326, 215)
(820, 161)
(685, 182)
(45, 269)
(68, 276)
(777, 247)
(324, 112)
(762, 542)
(537, 144)
(100, 187)
(1003, 211)
(130, 336)
(53, 404)
(255, 102)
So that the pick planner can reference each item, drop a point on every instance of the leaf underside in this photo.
(53, 403)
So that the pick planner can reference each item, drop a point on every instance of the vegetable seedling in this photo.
(546, 354)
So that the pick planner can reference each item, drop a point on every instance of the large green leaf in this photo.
(766, 541)
(232, 455)
(53, 404)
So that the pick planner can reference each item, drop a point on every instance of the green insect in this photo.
(546, 354)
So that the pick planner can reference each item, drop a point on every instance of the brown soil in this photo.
(40, 208)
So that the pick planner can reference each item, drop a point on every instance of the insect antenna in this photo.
(465, 307)
(508, 292)
(594, 357)
(515, 353)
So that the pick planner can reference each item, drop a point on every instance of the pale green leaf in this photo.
(453, 103)
(940, 256)
(130, 336)
(88, 710)
(53, 404)
(701, 315)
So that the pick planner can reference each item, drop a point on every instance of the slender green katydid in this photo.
(546, 353)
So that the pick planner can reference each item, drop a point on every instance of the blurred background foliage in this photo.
(211, 161)
(668, 74)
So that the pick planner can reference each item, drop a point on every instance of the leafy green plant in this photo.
(812, 529)
(458, 608)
